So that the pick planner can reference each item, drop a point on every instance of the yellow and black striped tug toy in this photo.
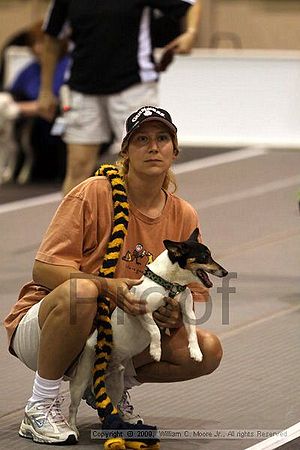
(134, 436)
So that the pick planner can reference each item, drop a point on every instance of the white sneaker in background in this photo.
(126, 410)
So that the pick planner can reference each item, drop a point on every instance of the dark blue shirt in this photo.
(27, 83)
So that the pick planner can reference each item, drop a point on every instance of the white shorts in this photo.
(26, 342)
(93, 118)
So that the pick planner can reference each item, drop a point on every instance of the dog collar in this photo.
(173, 288)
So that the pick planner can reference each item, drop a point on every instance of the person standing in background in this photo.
(112, 72)
(28, 148)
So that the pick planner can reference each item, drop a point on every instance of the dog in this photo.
(180, 264)
(9, 111)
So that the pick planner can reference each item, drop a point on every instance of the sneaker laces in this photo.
(125, 403)
(53, 409)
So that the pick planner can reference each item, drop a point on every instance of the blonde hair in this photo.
(169, 183)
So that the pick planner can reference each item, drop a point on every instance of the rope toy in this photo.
(107, 412)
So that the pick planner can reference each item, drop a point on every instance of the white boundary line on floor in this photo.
(180, 168)
(278, 440)
(216, 160)
(256, 191)
(29, 202)
(262, 320)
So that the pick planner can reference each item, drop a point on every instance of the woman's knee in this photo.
(74, 300)
(83, 288)
(82, 301)
(212, 351)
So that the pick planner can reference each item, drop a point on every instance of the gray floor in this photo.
(11, 191)
(250, 220)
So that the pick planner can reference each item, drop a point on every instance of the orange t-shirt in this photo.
(80, 230)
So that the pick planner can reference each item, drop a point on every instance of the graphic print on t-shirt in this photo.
(139, 256)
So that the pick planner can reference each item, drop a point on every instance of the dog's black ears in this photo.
(177, 249)
(194, 236)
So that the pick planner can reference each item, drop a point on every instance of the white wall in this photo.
(16, 59)
(240, 97)
(225, 97)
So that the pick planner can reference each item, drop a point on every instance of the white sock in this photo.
(43, 388)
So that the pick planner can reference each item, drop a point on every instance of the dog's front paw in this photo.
(195, 353)
(155, 352)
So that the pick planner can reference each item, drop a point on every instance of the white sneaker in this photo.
(44, 423)
(126, 410)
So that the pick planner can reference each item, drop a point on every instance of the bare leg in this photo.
(81, 163)
(176, 363)
(63, 336)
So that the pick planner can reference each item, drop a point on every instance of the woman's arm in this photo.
(117, 289)
(47, 102)
(28, 108)
(183, 44)
(51, 275)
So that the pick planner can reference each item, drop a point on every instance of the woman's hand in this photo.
(118, 289)
(169, 315)
(183, 44)
(46, 105)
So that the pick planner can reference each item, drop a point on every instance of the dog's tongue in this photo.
(208, 283)
(204, 278)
